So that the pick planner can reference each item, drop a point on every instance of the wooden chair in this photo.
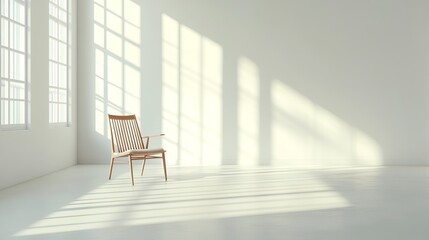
(127, 141)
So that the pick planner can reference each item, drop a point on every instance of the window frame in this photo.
(67, 64)
(11, 20)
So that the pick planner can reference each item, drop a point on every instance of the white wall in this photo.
(26, 154)
(328, 82)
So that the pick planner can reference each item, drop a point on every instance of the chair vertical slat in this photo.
(111, 135)
(136, 134)
(125, 135)
(120, 135)
(117, 135)
(128, 134)
(132, 134)
(140, 137)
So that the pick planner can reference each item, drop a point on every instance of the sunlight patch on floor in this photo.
(223, 194)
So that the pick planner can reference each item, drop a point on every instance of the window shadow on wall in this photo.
(117, 60)
(271, 123)
(191, 95)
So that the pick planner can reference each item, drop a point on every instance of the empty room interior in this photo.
(199, 119)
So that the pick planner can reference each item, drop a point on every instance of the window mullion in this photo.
(9, 64)
(26, 120)
(58, 105)
(1, 18)
(58, 66)
(68, 64)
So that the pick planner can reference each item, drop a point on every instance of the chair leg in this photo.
(131, 170)
(143, 163)
(111, 167)
(165, 167)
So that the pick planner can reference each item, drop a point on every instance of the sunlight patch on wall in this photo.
(248, 112)
(170, 86)
(192, 95)
(117, 60)
(366, 149)
(212, 71)
(305, 134)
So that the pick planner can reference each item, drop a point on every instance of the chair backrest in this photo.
(125, 133)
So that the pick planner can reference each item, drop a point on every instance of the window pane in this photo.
(19, 11)
(17, 90)
(62, 16)
(62, 53)
(11, 66)
(55, 50)
(53, 95)
(17, 112)
(53, 9)
(4, 63)
(62, 34)
(53, 29)
(62, 112)
(62, 96)
(53, 112)
(18, 68)
(4, 111)
(62, 76)
(50, 113)
(63, 4)
(4, 89)
(52, 56)
(4, 32)
(18, 37)
(5, 8)
(54, 74)
(51, 73)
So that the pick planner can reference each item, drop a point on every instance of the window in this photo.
(13, 64)
(59, 62)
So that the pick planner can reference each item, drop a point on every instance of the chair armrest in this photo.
(151, 136)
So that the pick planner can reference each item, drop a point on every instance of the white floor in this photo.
(220, 203)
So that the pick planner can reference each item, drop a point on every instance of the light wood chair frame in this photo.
(127, 141)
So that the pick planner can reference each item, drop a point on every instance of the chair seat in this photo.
(140, 152)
